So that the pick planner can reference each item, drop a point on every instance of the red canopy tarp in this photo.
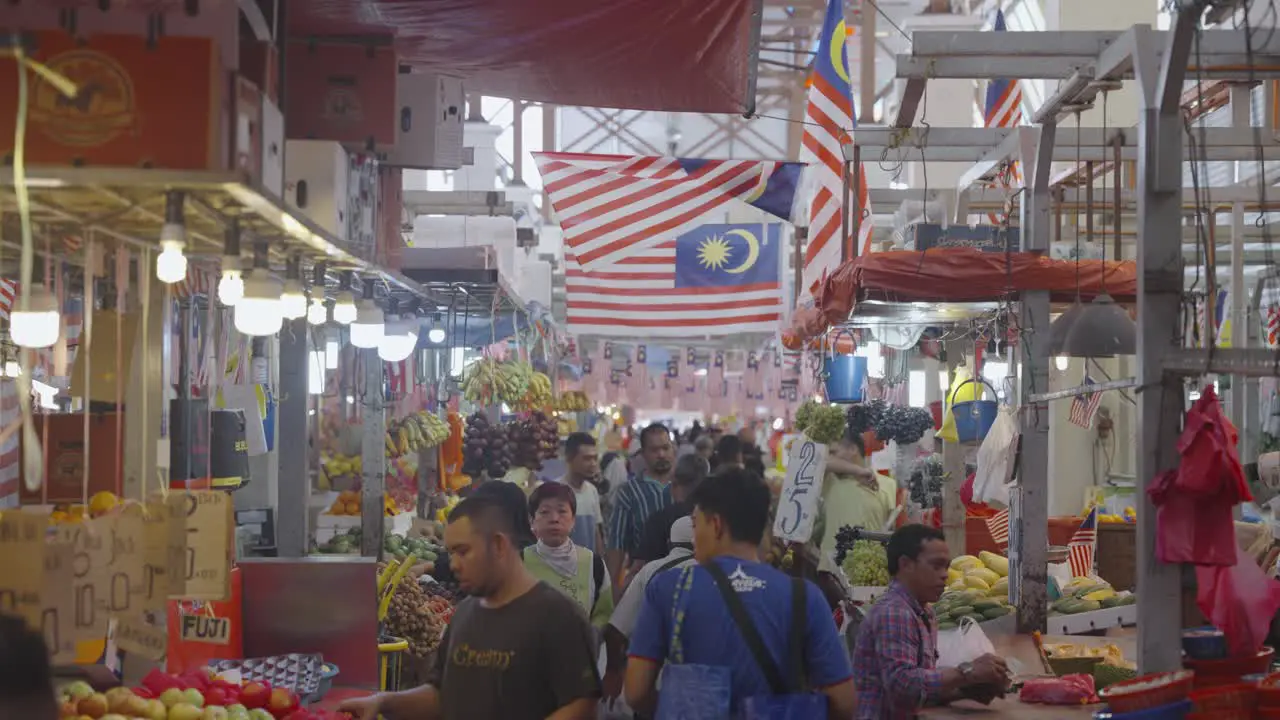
(673, 55)
(955, 275)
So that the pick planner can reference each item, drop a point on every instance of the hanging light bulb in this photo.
(368, 327)
(317, 314)
(344, 308)
(231, 285)
(400, 338)
(436, 334)
(171, 263)
(259, 312)
(37, 326)
(1061, 362)
(293, 301)
(12, 369)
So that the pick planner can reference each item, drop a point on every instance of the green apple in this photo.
(79, 690)
(213, 712)
(238, 708)
(260, 714)
(194, 697)
(172, 697)
(185, 711)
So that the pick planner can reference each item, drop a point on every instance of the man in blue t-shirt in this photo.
(730, 513)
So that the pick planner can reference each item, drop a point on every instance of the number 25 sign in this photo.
(801, 490)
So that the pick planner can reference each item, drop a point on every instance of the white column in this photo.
(946, 103)
(482, 174)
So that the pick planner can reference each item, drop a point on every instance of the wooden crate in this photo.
(1117, 554)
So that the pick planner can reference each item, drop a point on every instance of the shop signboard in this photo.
(987, 238)
(801, 490)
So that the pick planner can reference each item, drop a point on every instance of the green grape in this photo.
(804, 414)
(866, 564)
(827, 424)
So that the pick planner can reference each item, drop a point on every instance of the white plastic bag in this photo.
(996, 459)
(964, 644)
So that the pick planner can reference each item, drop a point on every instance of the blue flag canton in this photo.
(728, 255)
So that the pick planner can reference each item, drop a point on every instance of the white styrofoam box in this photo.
(316, 176)
(272, 148)
(534, 282)
(429, 122)
(442, 231)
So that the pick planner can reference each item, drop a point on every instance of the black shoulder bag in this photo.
(795, 649)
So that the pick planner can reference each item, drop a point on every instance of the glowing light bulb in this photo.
(317, 314)
(436, 335)
(398, 341)
(258, 312)
(1061, 362)
(230, 287)
(367, 329)
(344, 308)
(39, 325)
(171, 263)
(293, 301)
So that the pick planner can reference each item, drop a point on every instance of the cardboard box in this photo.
(64, 458)
(317, 173)
(390, 216)
(341, 92)
(140, 105)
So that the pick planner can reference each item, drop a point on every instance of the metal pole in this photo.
(184, 386)
(374, 472)
(1160, 284)
(292, 449)
(953, 510)
(853, 182)
(867, 66)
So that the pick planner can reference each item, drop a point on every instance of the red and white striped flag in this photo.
(613, 207)
(828, 119)
(998, 526)
(8, 296)
(1084, 407)
(1083, 544)
(1003, 110)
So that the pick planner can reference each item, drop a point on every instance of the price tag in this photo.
(208, 530)
(57, 619)
(801, 490)
(22, 564)
(135, 635)
(125, 574)
(205, 629)
(91, 552)
(158, 548)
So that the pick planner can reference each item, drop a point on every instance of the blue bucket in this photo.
(845, 377)
(974, 418)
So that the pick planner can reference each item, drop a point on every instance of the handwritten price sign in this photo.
(58, 613)
(162, 546)
(22, 564)
(801, 490)
(91, 551)
(208, 529)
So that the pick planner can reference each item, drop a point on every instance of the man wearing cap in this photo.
(618, 632)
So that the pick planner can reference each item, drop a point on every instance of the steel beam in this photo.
(1248, 362)
(373, 474)
(1160, 280)
(293, 479)
(1048, 68)
(993, 146)
(1084, 389)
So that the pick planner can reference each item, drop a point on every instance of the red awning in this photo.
(672, 55)
(955, 275)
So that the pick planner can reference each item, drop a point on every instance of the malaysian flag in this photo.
(998, 526)
(1003, 110)
(1085, 407)
(1082, 545)
(8, 295)
(615, 207)
(828, 120)
(712, 280)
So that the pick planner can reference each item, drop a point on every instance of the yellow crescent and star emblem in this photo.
(839, 57)
(717, 253)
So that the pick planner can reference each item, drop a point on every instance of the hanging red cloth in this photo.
(1194, 524)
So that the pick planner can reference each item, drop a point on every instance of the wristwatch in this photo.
(966, 670)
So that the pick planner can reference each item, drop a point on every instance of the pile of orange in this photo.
(347, 503)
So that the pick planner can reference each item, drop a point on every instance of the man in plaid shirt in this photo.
(896, 655)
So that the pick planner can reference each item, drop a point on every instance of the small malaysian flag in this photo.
(1083, 544)
(1085, 407)
(8, 295)
(998, 526)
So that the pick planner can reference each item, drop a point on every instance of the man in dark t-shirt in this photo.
(654, 542)
(516, 649)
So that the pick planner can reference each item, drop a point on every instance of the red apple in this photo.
(282, 701)
(215, 696)
(254, 695)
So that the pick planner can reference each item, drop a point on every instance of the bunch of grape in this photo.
(904, 425)
(804, 414)
(827, 424)
(926, 482)
(866, 564)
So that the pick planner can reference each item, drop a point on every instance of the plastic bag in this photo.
(785, 707)
(964, 644)
(694, 692)
(1241, 600)
(1065, 690)
(995, 460)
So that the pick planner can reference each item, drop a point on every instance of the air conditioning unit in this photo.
(428, 122)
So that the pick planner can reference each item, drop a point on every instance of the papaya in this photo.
(957, 585)
(977, 583)
(1063, 603)
(1129, 599)
(1083, 590)
(988, 576)
(961, 610)
(953, 575)
(1099, 595)
(947, 626)
(942, 617)
(984, 605)
(995, 563)
(995, 612)
(1110, 602)
(965, 562)
(1002, 585)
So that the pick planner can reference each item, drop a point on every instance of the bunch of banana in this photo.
(434, 429)
(414, 433)
(480, 381)
(539, 393)
(573, 401)
(513, 379)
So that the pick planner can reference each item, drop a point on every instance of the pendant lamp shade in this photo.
(1102, 329)
(1060, 328)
